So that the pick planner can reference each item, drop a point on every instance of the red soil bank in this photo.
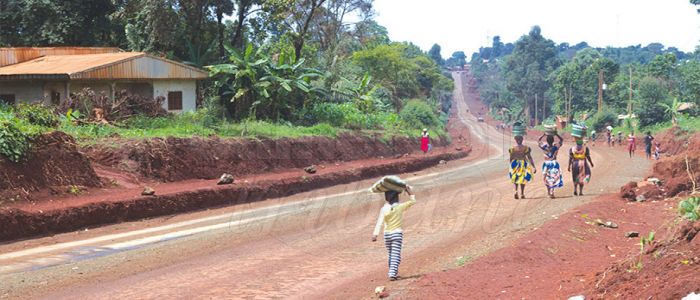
(54, 162)
(174, 159)
(669, 270)
(672, 168)
(16, 223)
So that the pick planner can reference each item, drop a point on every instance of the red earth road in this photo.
(465, 209)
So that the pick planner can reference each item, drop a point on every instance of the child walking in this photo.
(391, 217)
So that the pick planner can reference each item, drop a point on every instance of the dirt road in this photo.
(311, 245)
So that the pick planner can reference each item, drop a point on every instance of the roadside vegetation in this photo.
(278, 69)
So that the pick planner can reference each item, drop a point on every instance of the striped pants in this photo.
(393, 243)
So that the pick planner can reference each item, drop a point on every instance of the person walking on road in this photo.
(425, 141)
(648, 142)
(619, 138)
(631, 143)
(550, 167)
(521, 163)
(391, 217)
(579, 157)
(657, 150)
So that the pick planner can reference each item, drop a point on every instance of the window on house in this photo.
(55, 98)
(7, 99)
(174, 100)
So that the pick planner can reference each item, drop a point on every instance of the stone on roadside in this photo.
(310, 169)
(608, 224)
(654, 180)
(442, 162)
(381, 292)
(225, 179)
(631, 234)
(579, 297)
(640, 198)
(459, 148)
(148, 191)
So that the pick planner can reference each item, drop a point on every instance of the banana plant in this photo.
(361, 93)
(672, 110)
(261, 86)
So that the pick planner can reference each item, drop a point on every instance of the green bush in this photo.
(346, 115)
(14, 143)
(417, 113)
(37, 114)
(602, 119)
(690, 208)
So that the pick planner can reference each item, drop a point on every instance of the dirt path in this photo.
(312, 245)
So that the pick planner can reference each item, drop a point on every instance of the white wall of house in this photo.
(24, 91)
(187, 87)
(35, 90)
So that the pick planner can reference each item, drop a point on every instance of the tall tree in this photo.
(533, 58)
(297, 17)
(47, 23)
(149, 27)
(10, 22)
(497, 47)
(221, 8)
(434, 54)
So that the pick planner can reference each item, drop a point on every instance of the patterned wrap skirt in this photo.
(552, 174)
(520, 172)
(580, 171)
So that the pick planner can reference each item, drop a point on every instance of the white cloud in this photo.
(468, 25)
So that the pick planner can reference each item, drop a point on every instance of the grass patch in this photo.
(177, 127)
(462, 260)
(687, 124)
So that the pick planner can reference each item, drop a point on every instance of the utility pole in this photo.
(600, 91)
(544, 108)
(629, 104)
(536, 120)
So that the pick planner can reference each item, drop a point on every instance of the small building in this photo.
(51, 74)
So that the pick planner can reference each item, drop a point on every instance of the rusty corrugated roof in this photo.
(121, 65)
(11, 56)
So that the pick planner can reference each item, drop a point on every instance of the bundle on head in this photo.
(518, 129)
(390, 183)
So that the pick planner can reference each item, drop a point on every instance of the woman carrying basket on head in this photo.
(521, 162)
(550, 168)
(391, 218)
(579, 157)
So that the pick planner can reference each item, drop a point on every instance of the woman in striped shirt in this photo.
(391, 216)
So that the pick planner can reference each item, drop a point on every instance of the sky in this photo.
(467, 25)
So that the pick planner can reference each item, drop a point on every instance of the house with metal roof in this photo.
(50, 75)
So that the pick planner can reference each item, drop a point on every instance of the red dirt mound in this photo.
(672, 169)
(174, 159)
(54, 162)
(677, 259)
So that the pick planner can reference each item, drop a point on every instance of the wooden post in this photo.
(67, 92)
(600, 91)
(536, 119)
(629, 104)
(544, 108)
(112, 90)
